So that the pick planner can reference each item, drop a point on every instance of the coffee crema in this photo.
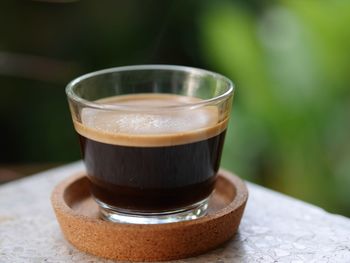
(135, 128)
(151, 161)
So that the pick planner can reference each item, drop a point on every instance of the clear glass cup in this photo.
(151, 137)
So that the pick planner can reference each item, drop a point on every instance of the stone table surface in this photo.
(274, 228)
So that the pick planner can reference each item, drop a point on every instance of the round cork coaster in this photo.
(78, 217)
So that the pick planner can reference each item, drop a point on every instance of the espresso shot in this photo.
(151, 137)
(154, 161)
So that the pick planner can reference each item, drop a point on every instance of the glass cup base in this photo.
(113, 214)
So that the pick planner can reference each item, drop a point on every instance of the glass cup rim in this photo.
(105, 106)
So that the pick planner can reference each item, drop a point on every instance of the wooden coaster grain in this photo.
(78, 217)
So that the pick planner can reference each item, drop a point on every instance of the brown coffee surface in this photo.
(151, 161)
(156, 127)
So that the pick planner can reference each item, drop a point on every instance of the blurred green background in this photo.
(290, 61)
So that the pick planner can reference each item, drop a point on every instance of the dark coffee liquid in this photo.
(152, 178)
(151, 161)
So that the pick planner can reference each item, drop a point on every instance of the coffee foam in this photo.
(153, 128)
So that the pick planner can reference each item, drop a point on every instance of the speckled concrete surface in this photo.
(274, 228)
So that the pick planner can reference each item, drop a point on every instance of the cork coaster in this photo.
(78, 217)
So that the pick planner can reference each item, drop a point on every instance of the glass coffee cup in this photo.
(151, 137)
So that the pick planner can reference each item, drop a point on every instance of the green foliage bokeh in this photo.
(290, 124)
